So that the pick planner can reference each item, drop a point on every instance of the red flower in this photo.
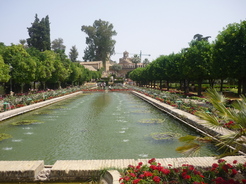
(154, 167)
(141, 176)
(132, 175)
(165, 171)
(151, 161)
(234, 172)
(127, 178)
(219, 180)
(229, 166)
(156, 179)
(131, 166)
(136, 181)
(221, 160)
(147, 174)
(235, 162)
(186, 177)
(215, 165)
(191, 167)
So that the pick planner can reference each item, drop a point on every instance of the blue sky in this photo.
(156, 27)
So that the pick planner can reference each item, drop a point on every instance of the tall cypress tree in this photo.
(39, 34)
(73, 54)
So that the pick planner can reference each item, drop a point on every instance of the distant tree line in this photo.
(41, 64)
(221, 60)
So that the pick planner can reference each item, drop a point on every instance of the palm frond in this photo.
(240, 104)
(214, 96)
(189, 149)
(211, 120)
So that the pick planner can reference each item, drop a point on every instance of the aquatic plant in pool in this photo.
(26, 122)
(151, 121)
(164, 136)
(4, 136)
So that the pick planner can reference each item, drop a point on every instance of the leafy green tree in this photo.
(230, 53)
(100, 45)
(39, 34)
(138, 75)
(136, 59)
(116, 67)
(146, 61)
(46, 66)
(4, 71)
(73, 54)
(197, 62)
(22, 64)
(60, 71)
(37, 56)
(57, 45)
(157, 70)
(75, 74)
(22, 42)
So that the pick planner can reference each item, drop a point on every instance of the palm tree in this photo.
(232, 118)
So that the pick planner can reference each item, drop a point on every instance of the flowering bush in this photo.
(22, 99)
(218, 173)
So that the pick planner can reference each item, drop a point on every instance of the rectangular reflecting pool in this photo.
(95, 126)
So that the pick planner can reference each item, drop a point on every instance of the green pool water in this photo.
(93, 126)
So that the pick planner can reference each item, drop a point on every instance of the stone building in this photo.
(95, 65)
(127, 65)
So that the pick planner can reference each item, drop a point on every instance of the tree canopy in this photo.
(57, 45)
(100, 45)
(222, 59)
(39, 34)
(73, 54)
